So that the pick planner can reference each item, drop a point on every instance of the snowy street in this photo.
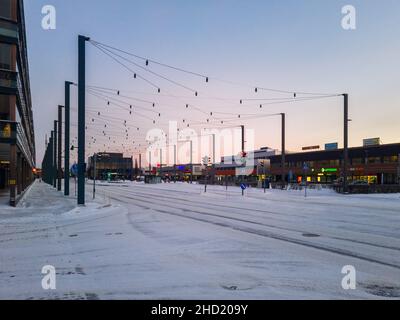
(173, 241)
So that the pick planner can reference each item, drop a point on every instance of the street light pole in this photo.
(81, 117)
(55, 173)
(51, 162)
(94, 175)
(175, 162)
(283, 148)
(161, 163)
(346, 142)
(67, 137)
(243, 151)
(191, 161)
(59, 168)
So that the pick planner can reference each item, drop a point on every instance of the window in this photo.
(5, 9)
(5, 56)
(392, 159)
(374, 160)
(357, 161)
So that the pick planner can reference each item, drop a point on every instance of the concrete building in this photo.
(17, 136)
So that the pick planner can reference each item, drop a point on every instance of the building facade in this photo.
(110, 166)
(378, 164)
(17, 136)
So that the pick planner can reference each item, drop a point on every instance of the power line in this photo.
(149, 71)
(255, 87)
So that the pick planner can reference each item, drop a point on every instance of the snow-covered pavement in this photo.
(173, 241)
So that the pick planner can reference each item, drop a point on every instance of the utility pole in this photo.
(51, 160)
(213, 149)
(140, 164)
(175, 162)
(346, 142)
(81, 117)
(191, 161)
(243, 152)
(94, 175)
(161, 163)
(283, 148)
(214, 160)
(67, 137)
(55, 173)
(59, 151)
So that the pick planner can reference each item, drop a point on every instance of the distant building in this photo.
(377, 164)
(17, 136)
(110, 166)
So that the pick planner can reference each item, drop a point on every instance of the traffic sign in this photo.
(74, 169)
(243, 186)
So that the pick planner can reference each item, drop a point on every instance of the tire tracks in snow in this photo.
(263, 233)
(216, 207)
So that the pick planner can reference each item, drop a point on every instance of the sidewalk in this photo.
(44, 230)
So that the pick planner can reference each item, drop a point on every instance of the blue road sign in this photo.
(243, 186)
(74, 169)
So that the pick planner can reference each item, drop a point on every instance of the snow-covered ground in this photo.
(173, 241)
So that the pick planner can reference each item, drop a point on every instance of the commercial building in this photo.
(110, 166)
(376, 164)
(17, 136)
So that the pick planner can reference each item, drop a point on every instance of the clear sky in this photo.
(291, 45)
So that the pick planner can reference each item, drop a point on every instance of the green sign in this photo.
(329, 170)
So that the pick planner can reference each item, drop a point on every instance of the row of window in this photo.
(338, 163)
